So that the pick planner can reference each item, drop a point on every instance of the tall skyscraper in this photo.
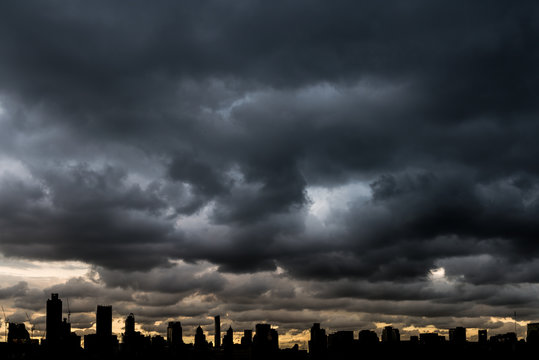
(130, 325)
(217, 341)
(54, 319)
(200, 339)
(104, 320)
(228, 340)
(174, 333)
(319, 342)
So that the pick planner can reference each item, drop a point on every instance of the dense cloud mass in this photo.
(284, 161)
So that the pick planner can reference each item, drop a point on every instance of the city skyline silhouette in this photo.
(352, 164)
(263, 343)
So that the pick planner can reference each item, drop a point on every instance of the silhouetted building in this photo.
(133, 341)
(367, 337)
(102, 342)
(217, 336)
(247, 338)
(104, 320)
(130, 325)
(266, 340)
(431, 339)
(508, 338)
(274, 339)
(228, 340)
(69, 340)
(17, 334)
(54, 319)
(66, 329)
(174, 334)
(457, 335)
(341, 341)
(158, 342)
(318, 344)
(390, 335)
(200, 339)
(532, 333)
(482, 336)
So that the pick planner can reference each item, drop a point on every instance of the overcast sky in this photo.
(351, 163)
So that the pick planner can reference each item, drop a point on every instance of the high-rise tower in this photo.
(54, 319)
(104, 320)
(174, 333)
(217, 332)
(130, 325)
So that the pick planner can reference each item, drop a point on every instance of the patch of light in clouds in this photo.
(324, 200)
(10, 166)
(40, 273)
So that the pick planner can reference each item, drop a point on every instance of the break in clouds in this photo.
(288, 162)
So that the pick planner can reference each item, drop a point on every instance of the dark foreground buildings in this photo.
(61, 343)
(175, 334)
(59, 336)
(103, 342)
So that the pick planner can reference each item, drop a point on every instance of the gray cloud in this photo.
(134, 139)
(20, 289)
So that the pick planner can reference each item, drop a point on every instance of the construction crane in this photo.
(32, 326)
(6, 323)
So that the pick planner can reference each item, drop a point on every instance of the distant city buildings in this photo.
(217, 336)
(17, 334)
(508, 338)
(175, 334)
(228, 340)
(482, 336)
(341, 341)
(319, 342)
(200, 340)
(103, 341)
(54, 319)
(58, 331)
(457, 335)
(431, 339)
(266, 340)
(263, 345)
(532, 333)
(104, 320)
(130, 325)
(367, 337)
(390, 335)
(247, 338)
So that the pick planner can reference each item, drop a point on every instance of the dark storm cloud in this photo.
(197, 132)
(19, 289)
(181, 279)
(94, 209)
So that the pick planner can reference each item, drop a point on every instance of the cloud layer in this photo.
(270, 160)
